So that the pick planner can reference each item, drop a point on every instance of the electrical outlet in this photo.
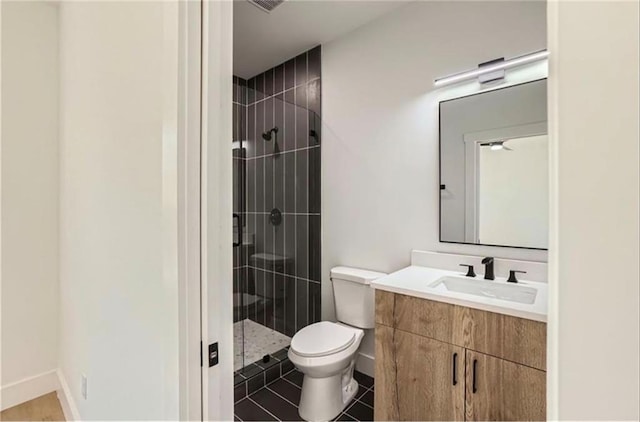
(84, 386)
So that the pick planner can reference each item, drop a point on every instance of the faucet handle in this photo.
(470, 271)
(512, 276)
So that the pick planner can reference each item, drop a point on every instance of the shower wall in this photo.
(278, 273)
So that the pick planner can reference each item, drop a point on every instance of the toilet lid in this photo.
(321, 339)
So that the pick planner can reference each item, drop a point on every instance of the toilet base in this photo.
(324, 398)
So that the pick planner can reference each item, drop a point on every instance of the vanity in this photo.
(450, 347)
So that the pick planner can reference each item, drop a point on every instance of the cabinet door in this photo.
(417, 378)
(497, 389)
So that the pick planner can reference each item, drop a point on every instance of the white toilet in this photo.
(325, 352)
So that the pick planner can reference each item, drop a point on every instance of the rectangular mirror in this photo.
(494, 168)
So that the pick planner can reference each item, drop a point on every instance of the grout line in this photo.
(289, 381)
(283, 213)
(254, 402)
(278, 153)
(283, 398)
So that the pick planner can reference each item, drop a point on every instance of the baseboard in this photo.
(28, 389)
(67, 403)
(366, 364)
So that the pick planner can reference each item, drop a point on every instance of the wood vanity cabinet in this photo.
(436, 361)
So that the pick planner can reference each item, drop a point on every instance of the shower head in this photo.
(267, 135)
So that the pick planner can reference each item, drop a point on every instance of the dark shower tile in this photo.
(302, 302)
(302, 117)
(363, 379)
(269, 168)
(301, 69)
(290, 305)
(269, 294)
(269, 125)
(302, 181)
(302, 246)
(260, 292)
(242, 91)
(250, 370)
(260, 188)
(313, 63)
(286, 366)
(236, 123)
(289, 138)
(269, 239)
(268, 83)
(314, 90)
(278, 245)
(278, 79)
(251, 90)
(259, 87)
(314, 248)
(313, 305)
(250, 136)
(235, 89)
(259, 129)
(278, 121)
(279, 285)
(315, 129)
(314, 158)
(289, 224)
(250, 202)
(289, 204)
(295, 377)
(278, 181)
(290, 74)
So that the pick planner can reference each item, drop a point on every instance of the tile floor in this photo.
(251, 341)
(278, 401)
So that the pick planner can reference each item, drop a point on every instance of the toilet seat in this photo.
(322, 339)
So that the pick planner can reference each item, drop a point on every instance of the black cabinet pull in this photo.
(455, 368)
(473, 383)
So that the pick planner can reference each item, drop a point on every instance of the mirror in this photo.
(494, 168)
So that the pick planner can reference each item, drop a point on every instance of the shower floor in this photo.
(258, 341)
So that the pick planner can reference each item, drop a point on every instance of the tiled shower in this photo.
(276, 214)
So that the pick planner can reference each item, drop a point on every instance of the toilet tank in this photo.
(354, 297)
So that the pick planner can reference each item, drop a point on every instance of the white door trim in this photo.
(217, 273)
(182, 196)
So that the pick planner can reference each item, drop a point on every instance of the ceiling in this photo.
(263, 40)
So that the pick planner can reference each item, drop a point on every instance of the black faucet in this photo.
(488, 268)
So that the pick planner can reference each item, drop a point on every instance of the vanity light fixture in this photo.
(496, 145)
(491, 67)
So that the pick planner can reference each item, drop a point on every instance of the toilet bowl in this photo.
(325, 352)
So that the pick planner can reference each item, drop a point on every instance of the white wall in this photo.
(594, 277)
(118, 315)
(380, 132)
(29, 190)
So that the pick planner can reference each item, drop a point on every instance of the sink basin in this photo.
(486, 288)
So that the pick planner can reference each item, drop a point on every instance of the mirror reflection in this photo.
(494, 168)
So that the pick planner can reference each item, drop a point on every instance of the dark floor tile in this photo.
(276, 405)
(237, 379)
(272, 374)
(344, 417)
(286, 366)
(360, 411)
(249, 411)
(255, 383)
(239, 392)
(367, 398)
(287, 390)
(363, 379)
(295, 377)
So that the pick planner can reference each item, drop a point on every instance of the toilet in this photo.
(325, 352)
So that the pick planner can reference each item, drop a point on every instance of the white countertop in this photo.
(416, 280)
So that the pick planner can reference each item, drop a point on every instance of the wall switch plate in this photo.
(84, 386)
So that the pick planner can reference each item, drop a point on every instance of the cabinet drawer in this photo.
(515, 339)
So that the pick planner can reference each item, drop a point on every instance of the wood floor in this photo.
(44, 408)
